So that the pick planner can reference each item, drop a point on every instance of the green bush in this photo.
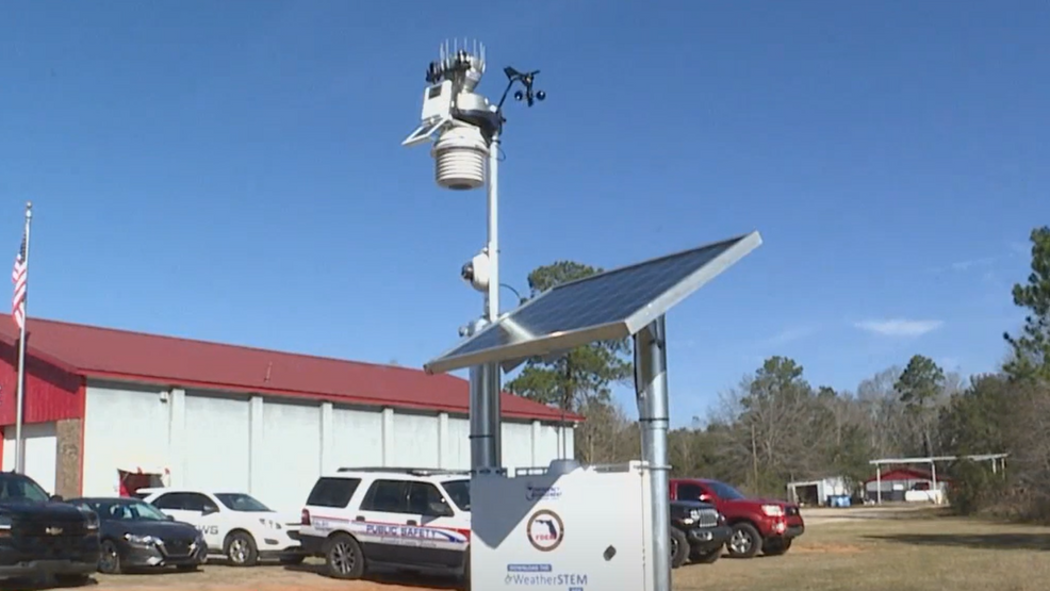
(974, 487)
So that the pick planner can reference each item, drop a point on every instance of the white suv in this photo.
(405, 518)
(235, 525)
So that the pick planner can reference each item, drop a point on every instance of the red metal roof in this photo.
(98, 352)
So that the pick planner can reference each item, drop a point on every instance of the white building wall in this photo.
(288, 458)
(124, 425)
(459, 443)
(41, 447)
(357, 438)
(216, 428)
(415, 441)
(515, 454)
(274, 448)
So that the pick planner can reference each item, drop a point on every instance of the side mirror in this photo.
(209, 510)
(169, 517)
(56, 499)
(440, 509)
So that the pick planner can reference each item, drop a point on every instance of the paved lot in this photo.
(861, 549)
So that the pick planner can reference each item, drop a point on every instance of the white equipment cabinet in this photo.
(566, 527)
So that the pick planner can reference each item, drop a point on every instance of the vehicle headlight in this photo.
(5, 525)
(90, 518)
(773, 510)
(694, 514)
(140, 540)
(721, 519)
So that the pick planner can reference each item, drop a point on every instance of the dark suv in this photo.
(698, 532)
(40, 535)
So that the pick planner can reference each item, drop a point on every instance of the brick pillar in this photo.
(67, 460)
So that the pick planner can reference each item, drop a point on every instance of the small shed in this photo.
(818, 492)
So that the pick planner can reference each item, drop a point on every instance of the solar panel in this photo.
(606, 306)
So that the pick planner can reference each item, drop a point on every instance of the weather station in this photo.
(566, 525)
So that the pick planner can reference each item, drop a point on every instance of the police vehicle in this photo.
(234, 524)
(402, 518)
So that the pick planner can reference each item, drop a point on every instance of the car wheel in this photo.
(707, 557)
(679, 548)
(109, 558)
(745, 541)
(241, 549)
(776, 546)
(292, 560)
(343, 558)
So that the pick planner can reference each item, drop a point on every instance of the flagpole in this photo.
(20, 458)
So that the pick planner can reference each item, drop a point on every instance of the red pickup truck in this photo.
(759, 525)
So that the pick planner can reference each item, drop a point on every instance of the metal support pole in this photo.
(486, 423)
(480, 411)
(878, 484)
(493, 385)
(20, 447)
(492, 247)
(933, 488)
(650, 362)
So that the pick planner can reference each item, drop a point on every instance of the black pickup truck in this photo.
(698, 532)
(42, 537)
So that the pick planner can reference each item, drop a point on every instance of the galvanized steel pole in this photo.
(650, 366)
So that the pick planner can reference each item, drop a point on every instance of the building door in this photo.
(41, 449)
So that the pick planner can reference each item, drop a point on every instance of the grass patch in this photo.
(902, 552)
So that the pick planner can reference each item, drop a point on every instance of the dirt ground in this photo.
(265, 578)
(860, 549)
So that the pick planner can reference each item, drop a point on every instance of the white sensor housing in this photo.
(437, 113)
(477, 272)
(460, 155)
(460, 122)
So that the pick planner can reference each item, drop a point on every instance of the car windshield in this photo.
(242, 502)
(459, 492)
(15, 488)
(124, 510)
(726, 492)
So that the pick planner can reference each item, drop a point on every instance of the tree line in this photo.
(776, 426)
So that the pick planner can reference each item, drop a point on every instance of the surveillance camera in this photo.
(476, 272)
(540, 95)
(518, 95)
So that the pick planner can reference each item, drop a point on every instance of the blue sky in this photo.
(232, 171)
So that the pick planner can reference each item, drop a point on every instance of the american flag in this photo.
(18, 277)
